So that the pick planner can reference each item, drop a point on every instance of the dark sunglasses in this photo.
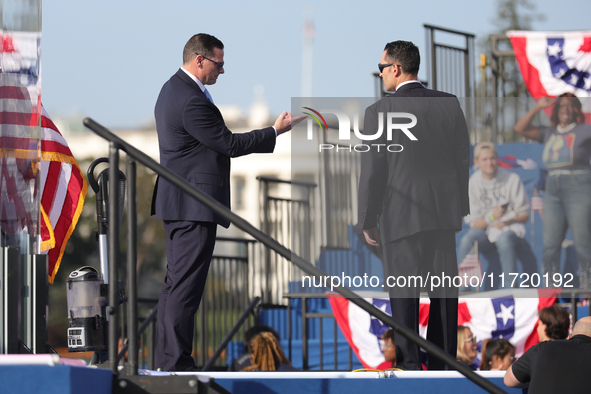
(220, 65)
(383, 66)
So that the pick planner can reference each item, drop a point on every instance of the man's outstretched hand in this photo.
(285, 122)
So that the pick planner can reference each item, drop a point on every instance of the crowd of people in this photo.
(263, 350)
(499, 205)
(490, 354)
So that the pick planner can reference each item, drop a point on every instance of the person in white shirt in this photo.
(499, 207)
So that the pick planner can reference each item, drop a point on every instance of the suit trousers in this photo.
(425, 254)
(189, 247)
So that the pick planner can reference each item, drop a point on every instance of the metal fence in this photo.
(450, 55)
(328, 347)
(339, 177)
(286, 216)
(225, 298)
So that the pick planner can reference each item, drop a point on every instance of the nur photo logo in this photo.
(392, 120)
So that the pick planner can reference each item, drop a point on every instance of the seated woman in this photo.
(467, 349)
(389, 350)
(498, 355)
(266, 355)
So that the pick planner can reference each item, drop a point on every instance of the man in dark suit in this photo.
(195, 144)
(411, 202)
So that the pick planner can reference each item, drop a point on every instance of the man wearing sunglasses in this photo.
(195, 144)
(412, 202)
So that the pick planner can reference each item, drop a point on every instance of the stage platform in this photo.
(57, 377)
(50, 374)
(416, 382)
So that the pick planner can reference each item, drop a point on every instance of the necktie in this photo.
(208, 95)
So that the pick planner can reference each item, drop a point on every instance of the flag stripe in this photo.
(13, 93)
(60, 194)
(53, 148)
(16, 118)
(25, 144)
(530, 74)
(72, 208)
(51, 185)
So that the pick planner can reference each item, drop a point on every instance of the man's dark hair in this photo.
(200, 44)
(406, 54)
(256, 330)
(557, 321)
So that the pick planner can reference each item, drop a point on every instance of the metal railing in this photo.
(338, 189)
(289, 220)
(116, 144)
(306, 317)
(450, 65)
(225, 299)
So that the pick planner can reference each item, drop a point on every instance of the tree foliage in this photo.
(516, 15)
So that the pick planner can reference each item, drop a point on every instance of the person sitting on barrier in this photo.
(467, 347)
(239, 363)
(266, 355)
(554, 323)
(497, 355)
(390, 351)
(499, 207)
(560, 366)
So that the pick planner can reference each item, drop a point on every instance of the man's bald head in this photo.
(583, 326)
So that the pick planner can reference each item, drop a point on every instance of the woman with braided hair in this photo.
(266, 354)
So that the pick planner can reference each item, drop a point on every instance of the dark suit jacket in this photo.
(196, 144)
(425, 186)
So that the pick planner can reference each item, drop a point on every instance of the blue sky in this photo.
(108, 59)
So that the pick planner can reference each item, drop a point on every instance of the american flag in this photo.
(470, 267)
(63, 189)
(553, 63)
(32, 145)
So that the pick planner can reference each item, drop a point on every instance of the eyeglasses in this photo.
(220, 65)
(472, 339)
(388, 346)
(382, 66)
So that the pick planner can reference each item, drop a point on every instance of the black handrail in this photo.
(304, 265)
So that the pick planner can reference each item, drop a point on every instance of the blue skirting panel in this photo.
(59, 379)
(415, 382)
(355, 386)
